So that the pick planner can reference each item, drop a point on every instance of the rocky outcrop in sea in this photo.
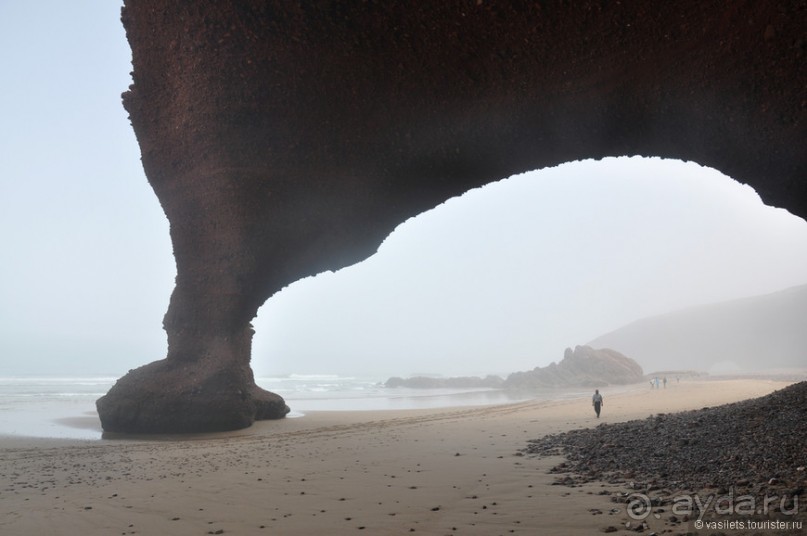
(582, 367)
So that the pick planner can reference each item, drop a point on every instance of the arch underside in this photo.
(284, 140)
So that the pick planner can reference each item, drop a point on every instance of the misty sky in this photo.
(501, 279)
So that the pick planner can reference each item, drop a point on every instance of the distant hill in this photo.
(750, 334)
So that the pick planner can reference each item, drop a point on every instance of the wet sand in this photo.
(439, 471)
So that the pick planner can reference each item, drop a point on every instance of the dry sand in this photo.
(436, 472)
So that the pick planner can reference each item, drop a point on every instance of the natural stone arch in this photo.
(284, 139)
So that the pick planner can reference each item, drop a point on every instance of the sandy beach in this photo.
(440, 472)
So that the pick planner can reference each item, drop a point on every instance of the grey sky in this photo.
(499, 280)
(87, 267)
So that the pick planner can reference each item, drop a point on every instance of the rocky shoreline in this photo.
(755, 448)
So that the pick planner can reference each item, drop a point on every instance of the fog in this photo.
(506, 277)
(501, 279)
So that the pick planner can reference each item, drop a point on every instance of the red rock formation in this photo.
(288, 138)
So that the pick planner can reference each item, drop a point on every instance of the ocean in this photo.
(64, 407)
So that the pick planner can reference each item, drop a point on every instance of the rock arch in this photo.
(284, 139)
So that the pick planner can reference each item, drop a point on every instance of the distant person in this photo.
(677, 379)
(651, 384)
(656, 380)
(665, 382)
(596, 401)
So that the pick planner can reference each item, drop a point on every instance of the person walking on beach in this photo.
(596, 401)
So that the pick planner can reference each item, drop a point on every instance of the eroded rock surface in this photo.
(288, 138)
